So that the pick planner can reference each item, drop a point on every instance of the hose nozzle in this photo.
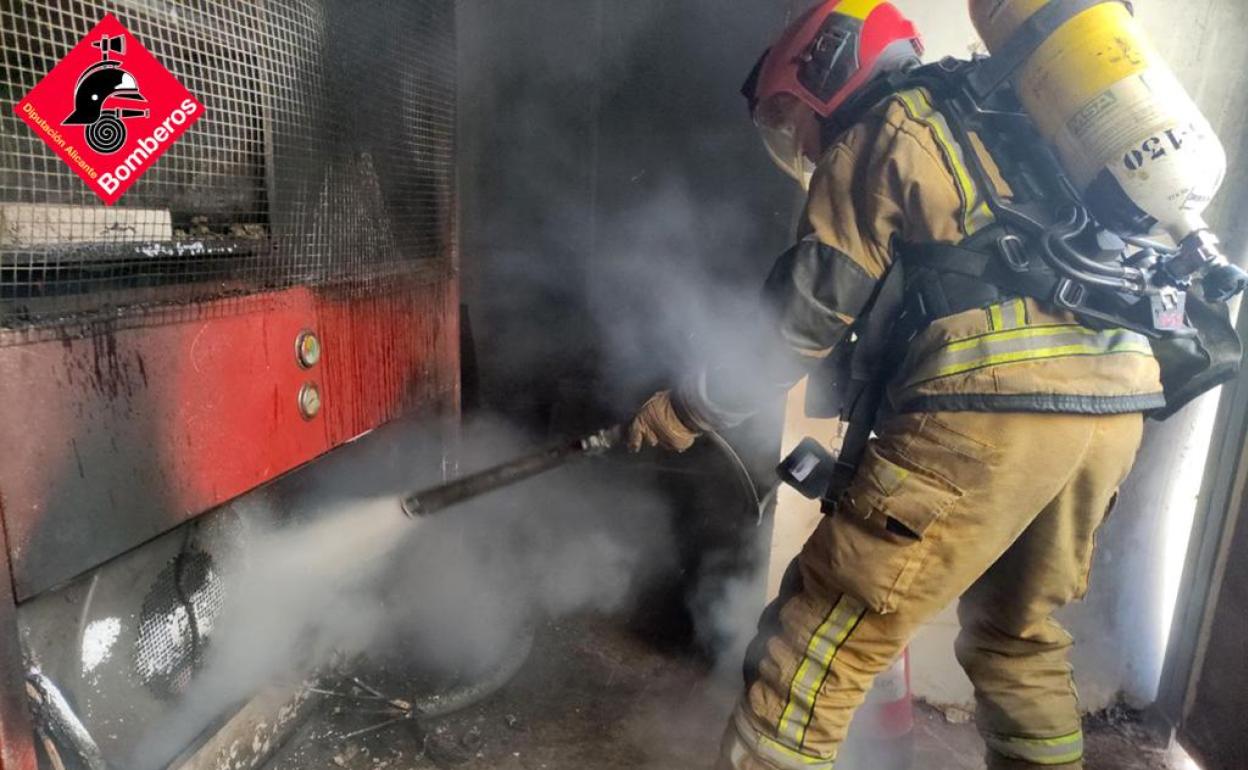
(434, 499)
(603, 441)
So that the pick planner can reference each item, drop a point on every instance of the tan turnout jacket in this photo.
(899, 175)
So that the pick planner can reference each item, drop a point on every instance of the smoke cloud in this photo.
(351, 574)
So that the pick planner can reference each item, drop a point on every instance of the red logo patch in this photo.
(109, 109)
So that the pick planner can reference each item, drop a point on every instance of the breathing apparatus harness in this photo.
(1044, 244)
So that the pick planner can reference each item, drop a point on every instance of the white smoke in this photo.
(294, 596)
(352, 574)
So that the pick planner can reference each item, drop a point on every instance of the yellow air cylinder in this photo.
(1122, 124)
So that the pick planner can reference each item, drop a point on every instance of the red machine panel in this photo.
(112, 439)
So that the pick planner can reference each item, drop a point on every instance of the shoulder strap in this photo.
(869, 366)
(871, 353)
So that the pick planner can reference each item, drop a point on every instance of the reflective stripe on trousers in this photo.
(1039, 751)
(827, 640)
(1027, 343)
(786, 748)
(751, 743)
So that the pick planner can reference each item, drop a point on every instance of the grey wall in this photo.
(1203, 40)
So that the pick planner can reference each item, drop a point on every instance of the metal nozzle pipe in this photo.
(429, 501)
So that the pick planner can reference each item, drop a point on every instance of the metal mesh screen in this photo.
(175, 623)
(325, 156)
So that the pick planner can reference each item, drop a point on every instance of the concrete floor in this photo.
(595, 695)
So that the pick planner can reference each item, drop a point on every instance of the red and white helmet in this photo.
(816, 66)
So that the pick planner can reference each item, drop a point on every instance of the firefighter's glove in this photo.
(657, 424)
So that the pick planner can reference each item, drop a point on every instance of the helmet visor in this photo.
(790, 132)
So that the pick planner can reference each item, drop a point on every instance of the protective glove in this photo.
(657, 424)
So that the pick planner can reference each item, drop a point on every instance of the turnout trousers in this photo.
(1000, 509)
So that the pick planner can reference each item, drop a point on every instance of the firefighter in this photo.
(1006, 427)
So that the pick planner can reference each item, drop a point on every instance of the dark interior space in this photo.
(608, 192)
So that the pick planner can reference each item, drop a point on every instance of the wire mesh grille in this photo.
(176, 622)
(325, 156)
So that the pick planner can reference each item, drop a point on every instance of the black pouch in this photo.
(1192, 366)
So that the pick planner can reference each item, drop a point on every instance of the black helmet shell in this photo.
(96, 86)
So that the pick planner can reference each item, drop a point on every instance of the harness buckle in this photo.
(1070, 295)
(1169, 310)
(1014, 252)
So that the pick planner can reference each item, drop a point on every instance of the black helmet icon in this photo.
(94, 87)
(97, 87)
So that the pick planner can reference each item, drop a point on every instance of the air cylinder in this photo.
(1127, 132)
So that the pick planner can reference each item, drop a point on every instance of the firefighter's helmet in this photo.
(817, 65)
(103, 81)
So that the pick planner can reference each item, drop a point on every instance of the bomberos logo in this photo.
(109, 109)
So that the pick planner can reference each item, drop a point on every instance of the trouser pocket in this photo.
(879, 533)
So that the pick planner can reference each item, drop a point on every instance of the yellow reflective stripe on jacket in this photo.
(773, 751)
(1029, 343)
(1039, 751)
(975, 212)
(1010, 314)
(827, 640)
